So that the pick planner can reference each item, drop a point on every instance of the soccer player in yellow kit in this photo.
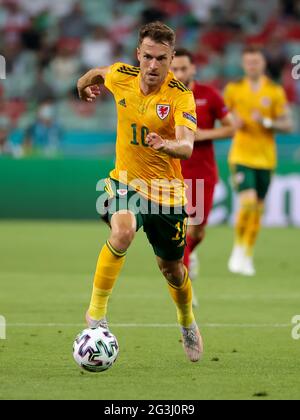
(260, 108)
(156, 128)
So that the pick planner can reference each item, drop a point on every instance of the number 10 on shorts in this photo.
(181, 230)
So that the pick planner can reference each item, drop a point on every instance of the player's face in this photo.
(183, 69)
(254, 65)
(155, 61)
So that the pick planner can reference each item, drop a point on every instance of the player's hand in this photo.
(155, 141)
(267, 123)
(239, 123)
(257, 117)
(89, 94)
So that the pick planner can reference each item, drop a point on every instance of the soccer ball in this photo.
(95, 349)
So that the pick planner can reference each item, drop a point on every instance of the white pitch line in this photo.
(23, 325)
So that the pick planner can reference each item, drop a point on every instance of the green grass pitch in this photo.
(46, 275)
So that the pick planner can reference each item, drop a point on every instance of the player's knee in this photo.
(202, 235)
(173, 275)
(199, 235)
(249, 199)
(123, 236)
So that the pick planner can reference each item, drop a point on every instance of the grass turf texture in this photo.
(46, 277)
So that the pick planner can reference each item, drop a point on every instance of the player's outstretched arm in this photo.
(89, 84)
(282, 124)
(220, 133)
(180, 148)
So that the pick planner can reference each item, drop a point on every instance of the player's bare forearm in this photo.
(88, 85)
(179, 148)
(221, 133)
(93, 77)
(284, 124)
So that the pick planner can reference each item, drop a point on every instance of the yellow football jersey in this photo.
(253, 145)
(154, 174)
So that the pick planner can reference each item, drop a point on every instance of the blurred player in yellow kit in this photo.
(260, 108)
(156, 128)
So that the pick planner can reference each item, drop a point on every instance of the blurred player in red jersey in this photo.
(202, 165)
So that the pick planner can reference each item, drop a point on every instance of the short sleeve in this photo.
(111, 77)
(219, 108)
(229, 96)
(185, 111)
(281, 103)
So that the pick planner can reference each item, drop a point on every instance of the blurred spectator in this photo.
(291, 8)
(45, 135)
(97, 51)
(46, 53)
(171, 8)
(57, 8)
(202, 9)
(31, 37)
(42, 91)
(80, 115)
(130, 7)
(122, 56)
(64, 70)
(124, 24)
(49, 44)
(14, 21)
(75, 24)
(21, 69)
(7, 148)
(151, 14)
(276, 57)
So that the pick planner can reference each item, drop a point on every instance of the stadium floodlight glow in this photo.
(296, 69)
(2, 67)
(2, 328)
(296, 329)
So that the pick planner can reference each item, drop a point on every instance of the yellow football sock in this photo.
(110, 263)
(253, 229)
(182, 297)
(243, 218)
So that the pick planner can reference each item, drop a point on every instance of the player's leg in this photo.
(203, 202)
(197, 230)
(241, 262)
(263, 181)
(180, 288)
(110, 263)
(195, 236)
(200, 203)
(167, 234)
(250, 238)
(245, 183)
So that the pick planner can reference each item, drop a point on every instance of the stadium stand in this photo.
(47, 45)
